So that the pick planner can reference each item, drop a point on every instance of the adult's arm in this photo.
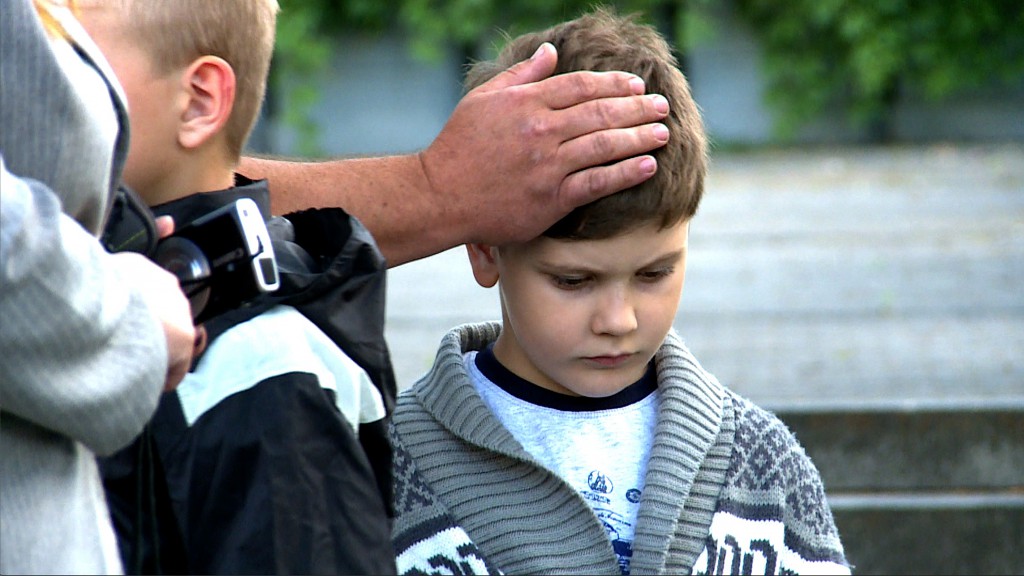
(517, 154)
(88, 339)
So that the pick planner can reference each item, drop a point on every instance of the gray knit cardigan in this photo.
(469, 499)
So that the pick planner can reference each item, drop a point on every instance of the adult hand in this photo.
(522, 150)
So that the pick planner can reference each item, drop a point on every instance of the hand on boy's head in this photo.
(548, 145)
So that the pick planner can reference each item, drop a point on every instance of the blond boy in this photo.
(580, 435)
(271, 456)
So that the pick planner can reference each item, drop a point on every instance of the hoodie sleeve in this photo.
(82, 353)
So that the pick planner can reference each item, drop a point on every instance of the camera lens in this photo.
(185, 260)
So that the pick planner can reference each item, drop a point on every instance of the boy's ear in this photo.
(209, 83)
(482, 257)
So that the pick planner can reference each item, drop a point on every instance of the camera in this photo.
(223, 259)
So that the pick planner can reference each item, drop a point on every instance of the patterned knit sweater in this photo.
(728, 488)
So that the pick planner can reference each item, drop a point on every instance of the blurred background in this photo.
(857, 264)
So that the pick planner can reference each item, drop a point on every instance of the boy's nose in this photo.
(615, 314)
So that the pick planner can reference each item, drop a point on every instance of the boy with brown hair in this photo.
(580, 435)
(272, 455)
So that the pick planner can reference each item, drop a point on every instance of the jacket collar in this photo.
(188, 208)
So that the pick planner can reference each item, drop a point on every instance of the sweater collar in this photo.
(453, 401)
(690, 418)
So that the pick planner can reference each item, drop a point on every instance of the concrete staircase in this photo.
(922, 489)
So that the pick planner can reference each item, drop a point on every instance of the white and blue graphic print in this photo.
(617, 512)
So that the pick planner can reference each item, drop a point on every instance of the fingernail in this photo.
(648, 166)
(661, 132)
(636, 84)
(540, 50)
(660, 103)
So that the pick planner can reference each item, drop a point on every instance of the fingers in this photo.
(199, 346)
(164, 226)
(593, 183)
(181, 361)
(183, 341)
(567, 90)
(169, 306)
(610, 113)
(538, 67)
(587, 160)
(176, 372)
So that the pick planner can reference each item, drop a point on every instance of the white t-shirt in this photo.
(599, 446)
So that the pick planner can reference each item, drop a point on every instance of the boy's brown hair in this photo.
(241, 32)
(604, 41)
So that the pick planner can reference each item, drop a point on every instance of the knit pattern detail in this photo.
(772, 478)
(431, 541)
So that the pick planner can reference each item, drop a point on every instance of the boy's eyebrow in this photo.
(662, 260)
(668, 258)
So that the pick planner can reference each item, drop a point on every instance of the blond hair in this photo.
(241, 32)
(604, 41)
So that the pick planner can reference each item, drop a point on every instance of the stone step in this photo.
(932, 534)
(921, 488)
(915, 446)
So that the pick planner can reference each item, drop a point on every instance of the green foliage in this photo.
(302, 50)
(857, 53)
(306, 29)
(434, 23)
(862, 54)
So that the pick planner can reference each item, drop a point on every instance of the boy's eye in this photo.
(569, 282)
(655, 275)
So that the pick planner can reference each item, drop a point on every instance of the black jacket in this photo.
(270, 477)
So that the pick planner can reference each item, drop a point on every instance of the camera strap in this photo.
(131, 226)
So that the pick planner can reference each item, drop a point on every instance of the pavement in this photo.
(821, 278)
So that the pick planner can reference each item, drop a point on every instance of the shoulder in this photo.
(771, 481)
(408, 410)
(278, 342)
(425, 534)
(447, 384)
(766, 453)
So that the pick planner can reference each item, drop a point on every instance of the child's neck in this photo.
(197, 173)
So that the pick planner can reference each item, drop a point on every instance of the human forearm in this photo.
(83, 355)
(391, 196)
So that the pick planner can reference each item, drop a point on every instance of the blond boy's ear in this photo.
(483, 259)
(209, 85)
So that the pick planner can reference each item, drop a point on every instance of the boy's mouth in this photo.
(609, 361)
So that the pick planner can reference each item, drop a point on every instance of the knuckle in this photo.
(643, 106)
(607, 112)
(598, 181)
(603, 146)
(537, 127)
(588, 184)
(585, 87)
